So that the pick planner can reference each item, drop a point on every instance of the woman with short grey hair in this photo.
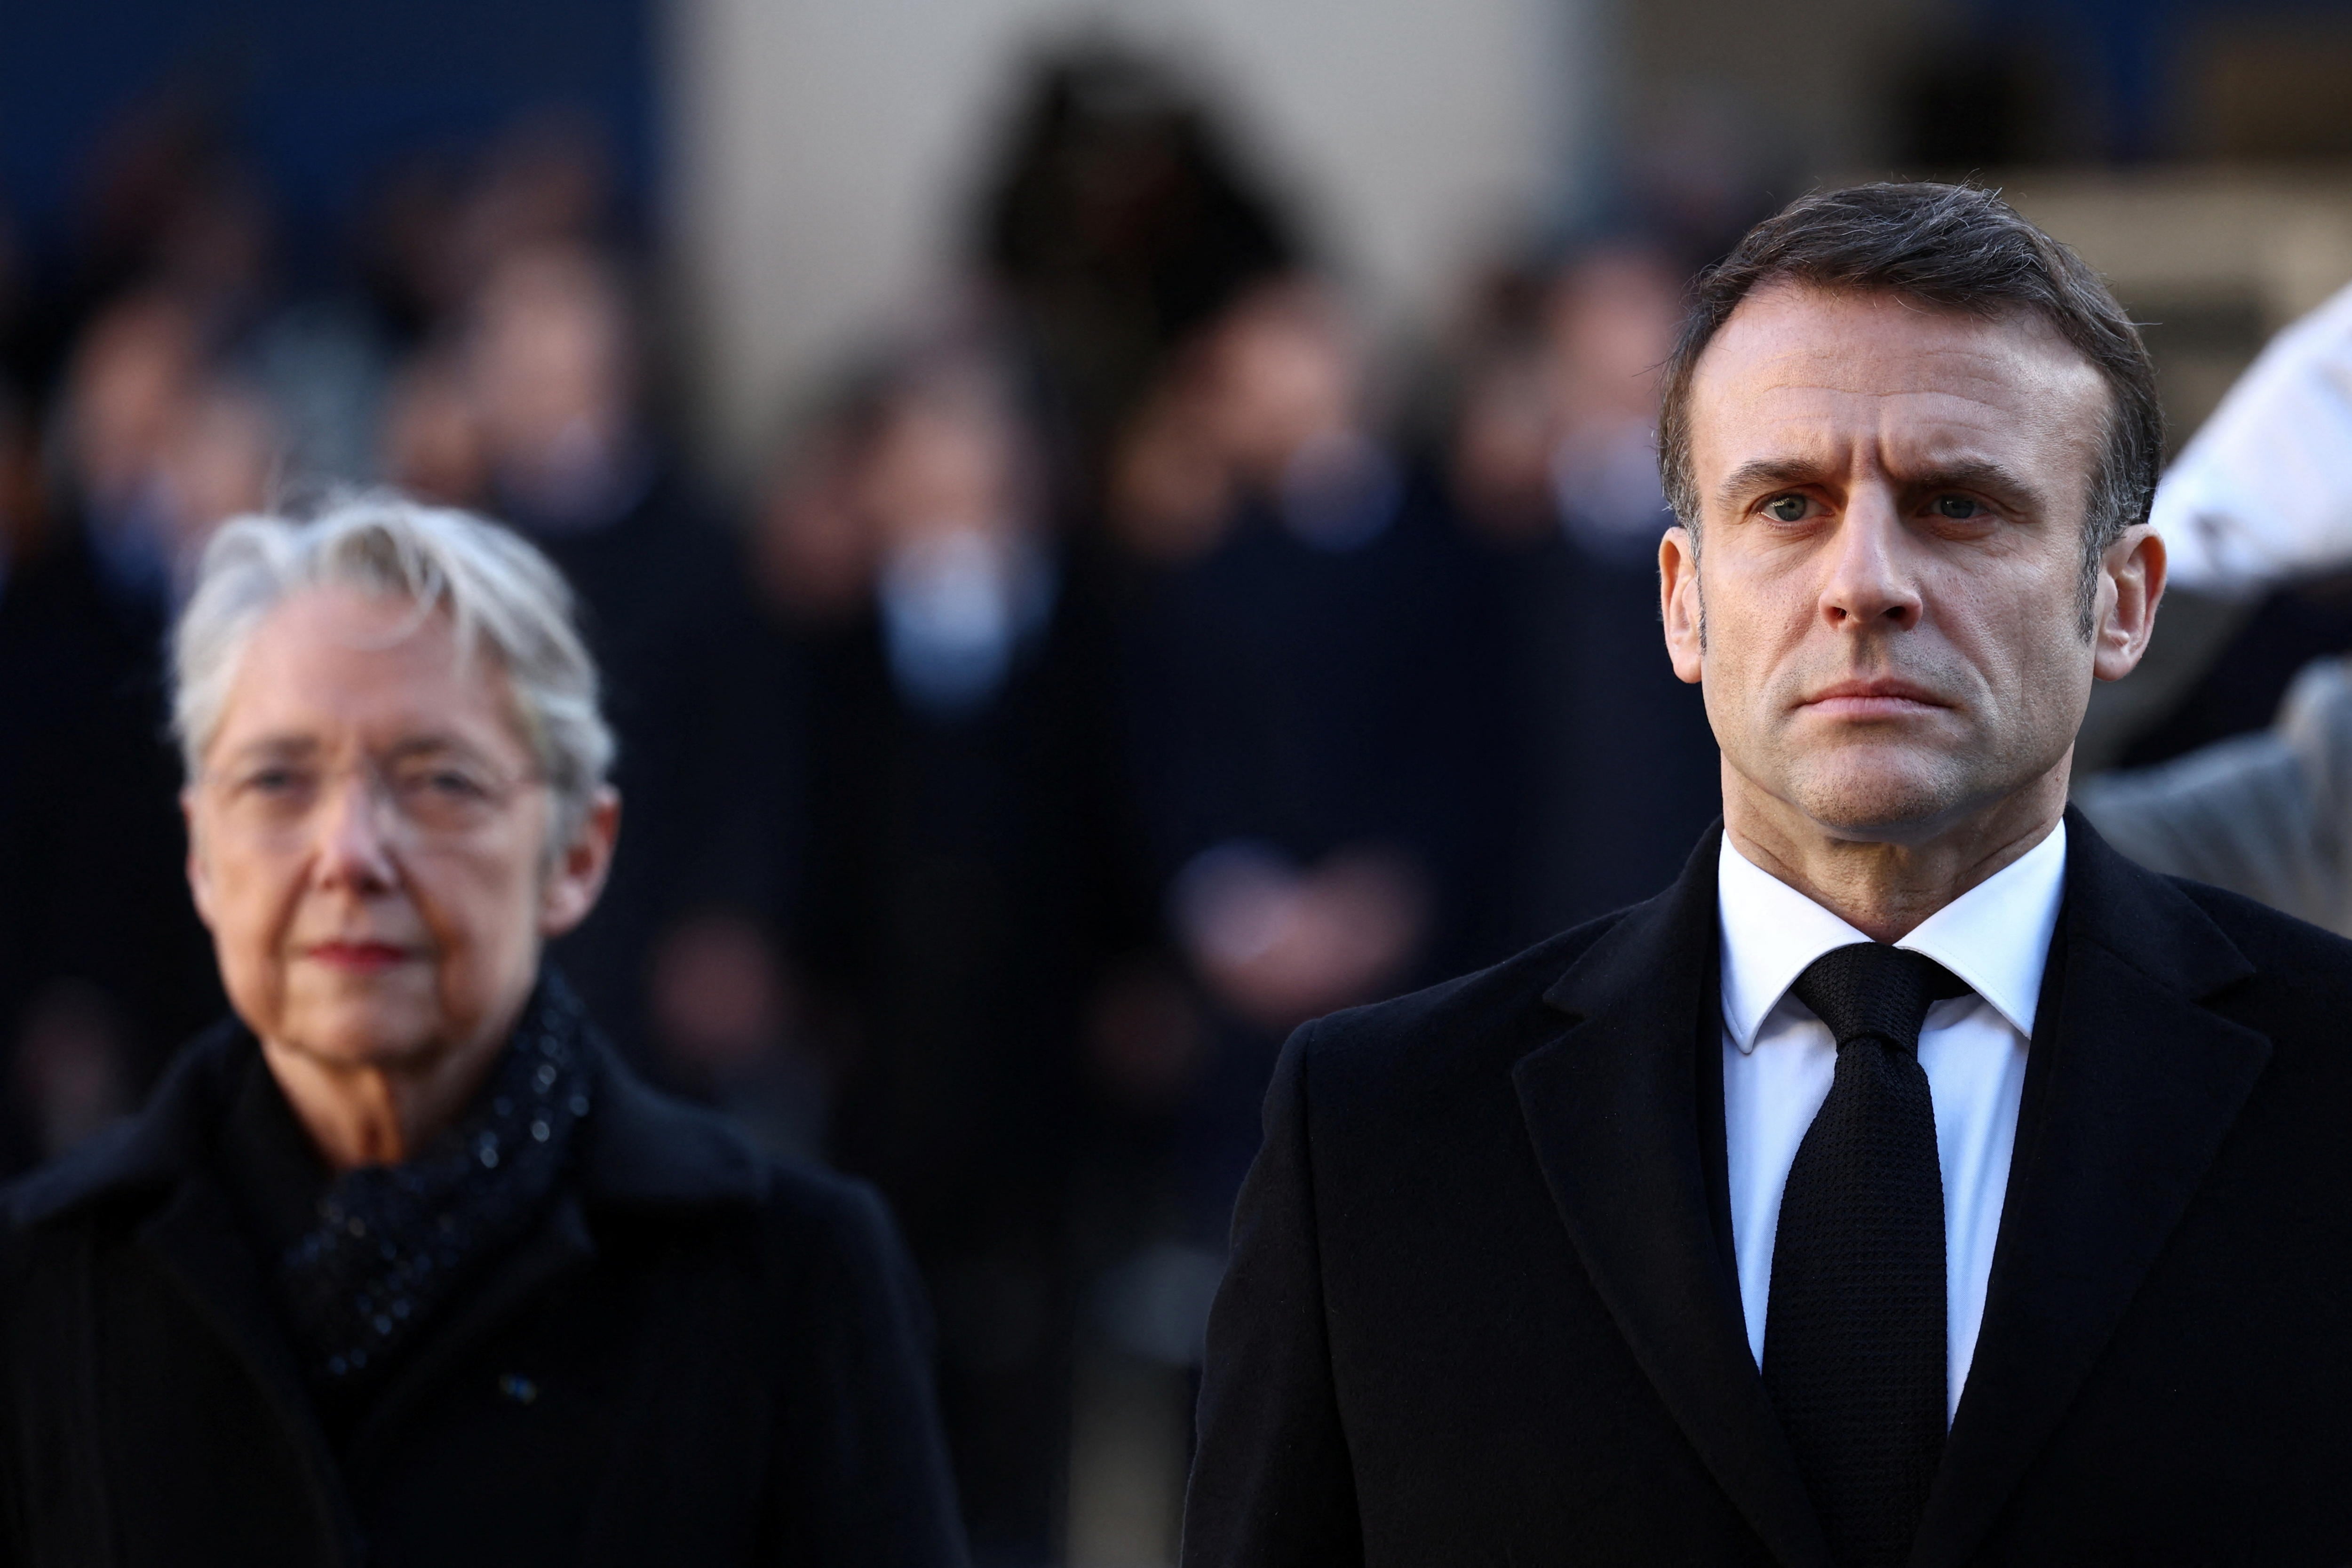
(400, 1264)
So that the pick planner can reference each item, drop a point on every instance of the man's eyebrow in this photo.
(1961, 473)
(1974, 474)
(1765, 473)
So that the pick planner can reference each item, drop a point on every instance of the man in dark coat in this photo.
(1916, 1181)
(403, 1266)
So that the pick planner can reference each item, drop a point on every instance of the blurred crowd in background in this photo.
(1102, 680)
(1121, 664)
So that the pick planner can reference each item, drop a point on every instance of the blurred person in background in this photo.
(1555, 466)
(967, 883)
(401, 1263)
(2259, 509)
(1119, 221)
(549, 412)
(430, 444)
(2255, 506)
(1311, 698)
(153, 446)
(15, 300)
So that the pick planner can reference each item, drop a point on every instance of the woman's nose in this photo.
(354, 824)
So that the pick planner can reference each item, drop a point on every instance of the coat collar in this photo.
(1612, 1106)
(2130, 1087)
(2126, 1102)
(639, 1148)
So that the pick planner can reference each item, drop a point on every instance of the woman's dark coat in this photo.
(699, 1356)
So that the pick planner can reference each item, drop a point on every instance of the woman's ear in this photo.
(576, 875)
(200, 878)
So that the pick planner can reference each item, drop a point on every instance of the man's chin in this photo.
(1881, 800)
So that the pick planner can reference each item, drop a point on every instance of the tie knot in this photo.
(1867, 988)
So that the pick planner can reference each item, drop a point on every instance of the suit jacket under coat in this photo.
(702, 1356)
(1482, 1308)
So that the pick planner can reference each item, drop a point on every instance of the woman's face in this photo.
(368, 838)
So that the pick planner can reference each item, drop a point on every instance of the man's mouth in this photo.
(1885, 697)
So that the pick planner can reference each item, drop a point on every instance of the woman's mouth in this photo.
(358, 957)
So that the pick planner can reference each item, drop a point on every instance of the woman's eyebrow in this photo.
(282, 748)
(433, 745)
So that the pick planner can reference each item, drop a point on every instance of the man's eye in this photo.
(1786, 509)
(272, 781)
(1962, 507)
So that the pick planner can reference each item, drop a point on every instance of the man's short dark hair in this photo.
(1956, 248)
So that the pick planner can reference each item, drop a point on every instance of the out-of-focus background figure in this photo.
(1110, 530)
(2258, 512)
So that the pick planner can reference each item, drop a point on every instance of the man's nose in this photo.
(354, 830)
(1870, 584)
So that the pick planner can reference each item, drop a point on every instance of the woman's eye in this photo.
(1960, 507)
(1786, 509)
(445, 783)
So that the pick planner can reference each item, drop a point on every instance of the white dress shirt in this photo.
(1777, 1060)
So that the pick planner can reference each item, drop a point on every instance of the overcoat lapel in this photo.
(1612, 1108)
(195, 1241)
(2126, 1101)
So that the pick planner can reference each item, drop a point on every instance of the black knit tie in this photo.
(1853, 1336)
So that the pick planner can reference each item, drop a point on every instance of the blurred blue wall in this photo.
(323, 93)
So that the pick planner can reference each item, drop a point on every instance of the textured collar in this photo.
(1996, 936)
(638, 1147)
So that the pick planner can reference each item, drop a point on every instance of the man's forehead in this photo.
(1812, 368)
(1799, 324)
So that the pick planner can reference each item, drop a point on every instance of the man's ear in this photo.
(577, 875)
(2131, 586)
(1679, 604)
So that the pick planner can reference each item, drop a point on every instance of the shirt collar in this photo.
(1996, 936)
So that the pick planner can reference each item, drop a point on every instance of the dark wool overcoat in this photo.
(700, 1355)
(1483, 1309)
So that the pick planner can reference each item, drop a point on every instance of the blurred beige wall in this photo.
(824, 151)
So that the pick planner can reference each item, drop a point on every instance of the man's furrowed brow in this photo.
(1975, 474)
(1766, 474)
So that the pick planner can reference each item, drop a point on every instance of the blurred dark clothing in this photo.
(2241, 691)
(698, 1355)
(969, 880)
(1302, 698)
(93, 891)
(1313, 696)
(1619, 767)
(707, 798)
(365, 1265)
(1119, 221)
(2267, 814)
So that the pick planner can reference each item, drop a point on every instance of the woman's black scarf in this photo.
(390, 1245)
